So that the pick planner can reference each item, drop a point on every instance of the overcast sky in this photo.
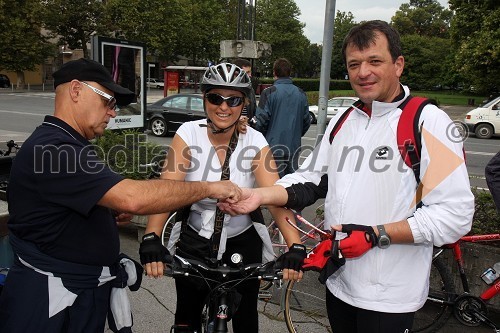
(313, 13)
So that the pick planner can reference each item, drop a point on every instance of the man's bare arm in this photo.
(157, 196)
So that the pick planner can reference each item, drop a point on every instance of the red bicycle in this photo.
(443, 299)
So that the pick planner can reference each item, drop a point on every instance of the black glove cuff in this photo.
(150, 237)
(297, 247)
(373, 236)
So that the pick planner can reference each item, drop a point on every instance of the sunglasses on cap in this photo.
(110, 100)
(217, 99)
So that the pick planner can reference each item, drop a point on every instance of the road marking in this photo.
(38, 94)
(467, 152)
(23, 113)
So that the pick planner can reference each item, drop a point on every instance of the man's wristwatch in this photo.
(383, 238)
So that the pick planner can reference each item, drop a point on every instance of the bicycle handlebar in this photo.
(10, 146)
(180, 266)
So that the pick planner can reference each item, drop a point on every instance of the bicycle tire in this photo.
(277, 242)
(167, 229)
(433, 315)
(305, 306)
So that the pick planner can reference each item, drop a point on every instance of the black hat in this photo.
(90, 70)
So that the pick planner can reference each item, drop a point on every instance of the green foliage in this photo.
(127, 152)
(475, 32)
(343, 23)
(427, 60)
(486, 218)
(423, 18)
(22, 46)
(278, 24)
(313, 96)
(72, 22)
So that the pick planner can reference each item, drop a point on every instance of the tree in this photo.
(313, 66)
(157, 23)
(475, 32)
(22, 46)
(343, 23)
(427, 61)
(429, 55)
(424, 18)
(278, 24)
(72, 22)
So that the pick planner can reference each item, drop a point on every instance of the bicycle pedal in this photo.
(265, 295)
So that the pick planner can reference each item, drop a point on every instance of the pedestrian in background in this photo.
(283, 117)
(492, 173)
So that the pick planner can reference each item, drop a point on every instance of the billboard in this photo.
(244, 49)
(126, 61)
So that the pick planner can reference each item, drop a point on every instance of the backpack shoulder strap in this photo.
(409, 134)
(339, 123)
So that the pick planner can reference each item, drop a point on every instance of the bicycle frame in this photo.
(457, 254)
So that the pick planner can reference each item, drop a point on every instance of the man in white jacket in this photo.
(372, 195)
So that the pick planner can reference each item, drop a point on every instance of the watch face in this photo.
(384, 242)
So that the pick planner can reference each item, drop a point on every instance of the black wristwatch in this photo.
(384, 241)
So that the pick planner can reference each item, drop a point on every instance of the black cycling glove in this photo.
(151, 249)
(294, 258)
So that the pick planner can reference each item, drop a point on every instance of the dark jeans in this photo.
(345, 318)
(192, 292)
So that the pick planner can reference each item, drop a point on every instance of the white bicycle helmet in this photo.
(226, 75)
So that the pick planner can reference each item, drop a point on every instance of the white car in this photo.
(155, 83)
(335, 105)
(484, 121)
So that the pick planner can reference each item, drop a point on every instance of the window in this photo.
(179, 102)
(196, 104)
(335, 102)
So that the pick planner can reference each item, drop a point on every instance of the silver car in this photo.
(335, 105)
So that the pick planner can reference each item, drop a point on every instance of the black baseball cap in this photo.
(90, 70)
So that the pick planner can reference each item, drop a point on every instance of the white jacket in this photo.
(370, 189)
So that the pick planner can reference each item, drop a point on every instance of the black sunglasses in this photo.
(217, 99)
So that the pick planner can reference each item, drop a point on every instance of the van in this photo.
(484, 121)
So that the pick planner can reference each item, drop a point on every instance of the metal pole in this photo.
(326, 64)
(254, 19)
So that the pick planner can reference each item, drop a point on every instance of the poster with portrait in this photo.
(125, 61)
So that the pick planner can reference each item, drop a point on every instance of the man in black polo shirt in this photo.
(61, 201)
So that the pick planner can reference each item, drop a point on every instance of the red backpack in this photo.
(408, 132)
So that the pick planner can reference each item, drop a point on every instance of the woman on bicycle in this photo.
(198, 152)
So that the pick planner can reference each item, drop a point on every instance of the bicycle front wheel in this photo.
(167, 229)
(437, 309)
(305, 306)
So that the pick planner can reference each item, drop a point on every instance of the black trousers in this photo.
(192, 292)
(345, 318)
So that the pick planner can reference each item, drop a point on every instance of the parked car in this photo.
(484, 121)
(168, 114)
(155, 83)
(4, 81)
(335, 105)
